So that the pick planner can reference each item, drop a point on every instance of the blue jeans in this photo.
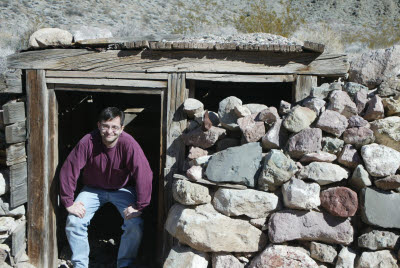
(76, 228)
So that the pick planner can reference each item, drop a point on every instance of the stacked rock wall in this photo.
(313, 185)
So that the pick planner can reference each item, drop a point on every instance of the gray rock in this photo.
(375, 259)
(222, 233)
(252, 130)
(377, 240)
(391, 182)
(276, 137)
(300, 195)
(203, 139)
(377, 208)
(89, 32)
(230, 166)
(361, 100)
(255, 108)
(380, 160)
(50, 37)
(5, 208)
(277, 169)
(224, 260)
(182, 257)
(392, 105)
(188, 193)
(332, 122)
(291, 225)
(226, 112)
(241, 111)
(320, 92)
(280, 256)
(332, 145)
(225, 143)
(315, 104)
(375, 109)
(345, 258)
(284, 107)
(358, 136)
(269, 115)
(358, 121)
(336, 86)
(340, 102)
(322, 252)
(7, 224)
(318, 157)
(323, 173)
(349, 157)
(304, 142)
(360, 178)
(192, 106)
(387, 131)
(251, 203)
(299, 118)
(389, 87)
(200, 161)
(352, 88)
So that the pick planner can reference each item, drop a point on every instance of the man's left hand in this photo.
(130, 212)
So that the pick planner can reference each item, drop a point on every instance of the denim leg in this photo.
(133, 228)
(76, 228)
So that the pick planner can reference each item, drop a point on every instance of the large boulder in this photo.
(230, 166)
(192, 106)
(323, 173)
(252, 130)
(298, 194)
(204, 229)
(299, 118)
(280, 256)
(380, 160)
(304, 142)
(315, 226)
(277, 169)
(374, 66)
(182, 257)
(50, 37)
(358, 136)
(189, 193)
(252, 203)
(375, 259)
(226, 112)
(387, 131)
(379, 207)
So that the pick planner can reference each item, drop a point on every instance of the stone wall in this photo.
(310, 185)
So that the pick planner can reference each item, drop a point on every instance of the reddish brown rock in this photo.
(304, 142)
(375, 109)
(207, 124)
(361, 99)
(339, 201)
(252, 130)
(358, 136)
(196, 152)
(203, 139)
(358, 121)
(332, 122)
(389, 183)
(340, 102)
(349, 157)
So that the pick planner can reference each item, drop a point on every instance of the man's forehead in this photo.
(115, 120)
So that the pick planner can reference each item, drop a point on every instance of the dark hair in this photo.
(110, 113)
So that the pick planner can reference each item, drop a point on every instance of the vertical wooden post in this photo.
(42, 240)
(302, 87)
(175, 148)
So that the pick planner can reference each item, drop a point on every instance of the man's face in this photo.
(110, 131)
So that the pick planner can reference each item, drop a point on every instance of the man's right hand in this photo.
(77, 209)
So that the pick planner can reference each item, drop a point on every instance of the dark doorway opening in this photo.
(78, 113)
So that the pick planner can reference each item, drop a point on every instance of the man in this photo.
(112, 162)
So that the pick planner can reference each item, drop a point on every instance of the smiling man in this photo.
(114, 169)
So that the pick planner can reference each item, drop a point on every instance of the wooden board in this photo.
(302, 87)
(106, 75)
(13, 154)
(12, 82)
(107, 89)
(108, 82)
(18, 239)
(240, 78)
(151, 61)
(13, 112)
(15, 132)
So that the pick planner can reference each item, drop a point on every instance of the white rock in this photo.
(324, 173)
(185, 257)
(224, 260)
(252, 203)
(300, 195)
(377, 240)
(387, 131)
(195, 173)
(192, 107)
(345, 258)
(380, 160)
(50, 37)
(242, 111)
(375, 259)
(188, 193)
(89, 32)
(6, 224)
(360, 178)
(4, 182)
(255, 108)
(322, 252)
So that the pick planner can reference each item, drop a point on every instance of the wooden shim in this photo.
(302, 87)
(315, 47)
(18, 239)
(106, 75)
(12, 82)
(207, 182)
(13, 112)
(240, 78)
(18, 185)
(108, 82)
(106, 89)
(18, 196)
(152, 61)
(15, 132)
(13, 154)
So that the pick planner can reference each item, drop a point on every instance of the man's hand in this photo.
(130, 212)
(77, 209)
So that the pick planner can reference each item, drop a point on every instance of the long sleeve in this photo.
(70, 171)
(142, 176)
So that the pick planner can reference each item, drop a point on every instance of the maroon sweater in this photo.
(108, 168)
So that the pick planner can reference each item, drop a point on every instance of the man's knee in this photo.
(133, 225)
(74, 222)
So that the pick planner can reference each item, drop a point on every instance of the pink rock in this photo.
(341, 102)
(332, 122)
(269, 115)
(358, 121)
(358, 136)
(194, 173)
(306, 141)
(349, 157)
(252, 130)
(318, 157)
(375, 109)
(361, 99)
(339, 201)
(203, 139)
(391, 182)
(276, 137)
(196, 152)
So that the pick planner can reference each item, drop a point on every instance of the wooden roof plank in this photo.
(240, 78)
(108, 82)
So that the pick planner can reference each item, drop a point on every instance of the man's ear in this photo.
(98, 125)
(122, 127)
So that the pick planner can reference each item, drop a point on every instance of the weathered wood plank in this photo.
(13, 154)
(15, 132)
(13, 112)
(302, 87)
(108, 82)
(106, 75)
(240, 78)
(107, 89)
(11, 82)
(207, 182)
(152, 61)
(315, 47)
(18, 239)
